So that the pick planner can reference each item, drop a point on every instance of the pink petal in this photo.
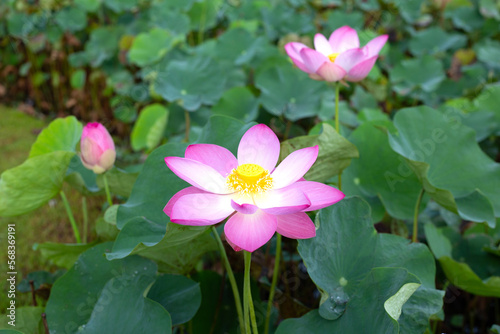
(215, 156)
(201, 209)
(99, 134)
(320, 195)
(313, 59)
(283, 201)
(331, 72)
(351, 58)
(344, 38)
(315, 76)
(90, 150)
(294, 167)
(107, 159)
(186, 191)
(244, 208)
(235, 248)
(259, 145)
(321, 45)
(361, 70)
(198, 174)
(296, 226)
(250, 232)
(375, 45)
(293, 51)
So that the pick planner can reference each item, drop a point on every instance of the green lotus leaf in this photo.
(444, 155)
(149, 47)
(91, 296)
(149, 127)
(62, 134)
(192, 82)
(388, 176)
(359, 271)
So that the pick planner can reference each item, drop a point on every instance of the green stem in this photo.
(188, 125)
(337, 122)
(273, 282)
(247, 295)
(70, 216)
(85, 219)
(415, 216)
(337, 93)
(230, 275)
(106, 188)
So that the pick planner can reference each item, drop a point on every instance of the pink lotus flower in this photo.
(258, 198)
(97, 148)
(337, 58)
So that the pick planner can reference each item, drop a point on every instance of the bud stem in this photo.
(70, 216)
(337, 122)
(106, 188)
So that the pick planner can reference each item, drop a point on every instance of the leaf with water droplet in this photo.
(358, 270)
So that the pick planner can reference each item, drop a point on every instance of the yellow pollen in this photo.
(250, 172)
(249, 179)
(333, 56)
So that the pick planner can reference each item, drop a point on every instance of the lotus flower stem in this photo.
(247, 295)
(337, 122)
(106, 188)
(70, 216)
(85, 218)
(230, 275)
(273, 282)
(415, 216)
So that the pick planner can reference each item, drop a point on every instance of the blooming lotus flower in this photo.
(338, 58)
(97, 148)
(258, 198)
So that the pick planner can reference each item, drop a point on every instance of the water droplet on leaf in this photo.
(334, 306)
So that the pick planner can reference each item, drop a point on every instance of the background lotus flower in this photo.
(97, 148)
(259, 198)
(337, 58)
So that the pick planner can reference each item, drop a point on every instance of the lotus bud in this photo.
(97, 148)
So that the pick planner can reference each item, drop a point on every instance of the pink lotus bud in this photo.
(97, 148)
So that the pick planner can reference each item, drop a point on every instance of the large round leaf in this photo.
(28, 186)
(360, 272)
(28, 320)
(424, 73)
(101, 296)
(120, 5)
(444, 154)
(149, 127)
(151, 46)
(88, 5)
(489, 100)
(71, 19)
(288, 92)
(203, 14)
(238, 102)
(62, 134)
(460, 273)
(177, 294)
(102, 45)
(434, 40)
(367, 312)
(193, 82)
(381, 172)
